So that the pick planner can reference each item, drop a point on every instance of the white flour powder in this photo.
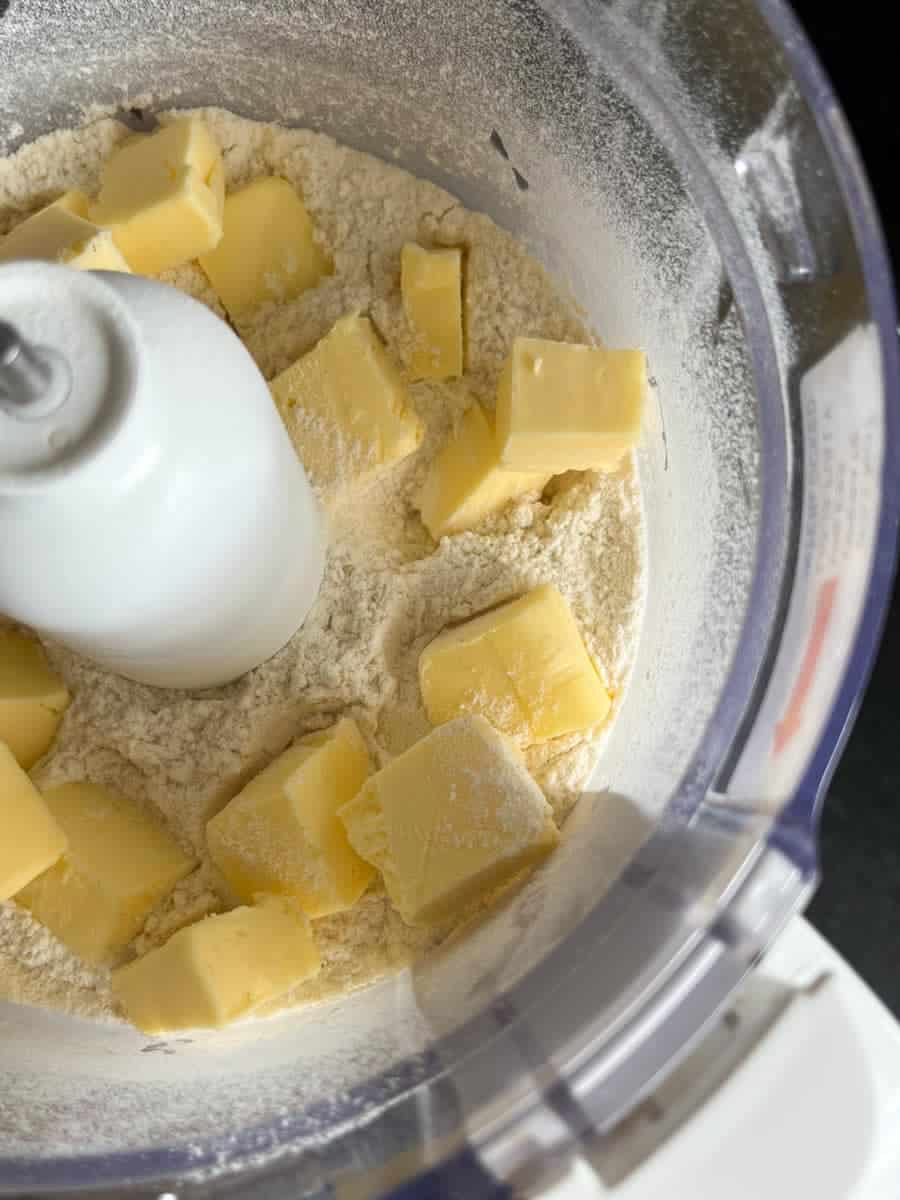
(388, 588)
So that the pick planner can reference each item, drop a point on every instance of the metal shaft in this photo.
(34, 380)
(10, 344)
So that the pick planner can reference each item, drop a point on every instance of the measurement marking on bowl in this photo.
(157, 1047)
(793, 716)
(497, 143)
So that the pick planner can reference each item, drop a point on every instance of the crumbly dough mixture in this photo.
(388, 588)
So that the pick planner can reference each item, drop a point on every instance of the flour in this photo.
(35, 968)
(388, 588)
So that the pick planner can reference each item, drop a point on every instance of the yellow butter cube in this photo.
(268, 249)
(431, 286)
(74, 202)
(219, 969)
(466, 482)
(58, 234)
(119, 864)
(562, 407)
(523, 666)
(162, 195)
(346, 406)
(98, 253)
(30, 838)
(32, 698)
(450, 819)
(281, 834)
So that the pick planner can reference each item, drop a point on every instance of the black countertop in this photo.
(857, 906)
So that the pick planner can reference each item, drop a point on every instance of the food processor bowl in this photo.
(684, 171)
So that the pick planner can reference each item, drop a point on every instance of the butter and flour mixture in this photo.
(388, 589)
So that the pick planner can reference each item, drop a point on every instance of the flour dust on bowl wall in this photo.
(431, 228)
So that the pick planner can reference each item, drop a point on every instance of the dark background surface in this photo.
(857, 906)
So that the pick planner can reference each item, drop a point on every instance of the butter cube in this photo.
(219, 969)
(345, 405)
(32, 698)
(30, 839)
(162, 195)
(431, 286)
(466, 482)
(57, 234)
(268, 250)
(568, 408)
(452, 818)
(522, 665)
(74, 202)
(118, 865)
(281, 834)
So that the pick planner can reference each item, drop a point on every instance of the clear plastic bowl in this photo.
(685, 170)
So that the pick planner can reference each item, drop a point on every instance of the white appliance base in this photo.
(813, 1110)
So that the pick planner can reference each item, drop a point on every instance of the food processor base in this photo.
(809, 1109)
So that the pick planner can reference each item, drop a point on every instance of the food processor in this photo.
(683, 170)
